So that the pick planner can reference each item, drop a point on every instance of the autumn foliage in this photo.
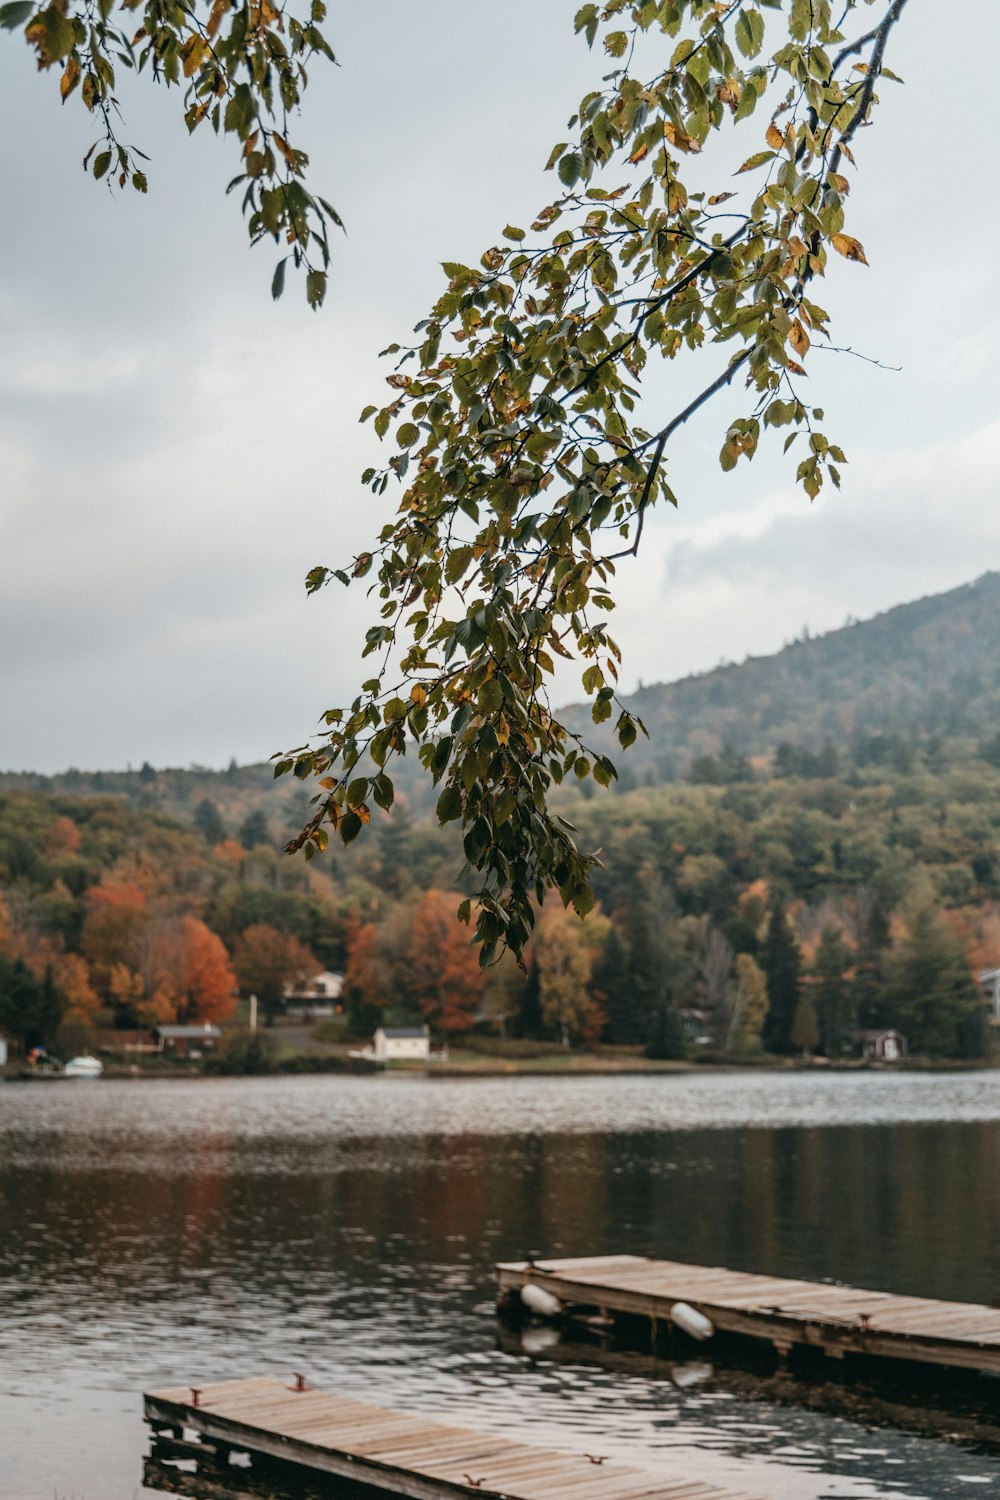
(445, 978)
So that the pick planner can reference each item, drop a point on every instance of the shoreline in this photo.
(510, 1068)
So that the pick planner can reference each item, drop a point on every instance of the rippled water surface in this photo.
(177, 1232)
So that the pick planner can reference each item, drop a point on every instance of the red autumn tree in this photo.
(444, 973)
(195, 969)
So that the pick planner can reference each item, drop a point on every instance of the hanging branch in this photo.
(514, 424)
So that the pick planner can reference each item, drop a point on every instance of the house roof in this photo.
(398, 1033)
(874, 1036)
(187, 1033)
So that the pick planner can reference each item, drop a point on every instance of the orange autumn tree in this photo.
(72, 980)
(444, 974)
(114, 930)
(64, 837)
(194, 972)
(364, 993)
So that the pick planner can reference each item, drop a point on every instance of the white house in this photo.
(989, 983)
(402, 1044)
(319, 995)
(3, 1050)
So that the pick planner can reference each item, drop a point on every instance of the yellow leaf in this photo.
(639, 154)
(193, 53)
(850, 248)
(419, 694)
(719, 198)
(774, 137)
(798, 338)
(796, 369)
(71, 73)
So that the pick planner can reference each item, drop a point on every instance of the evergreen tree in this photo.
(613, 985)
(208, 821)
(834, 1004)
(666, 1039)
(529, 1022)
(930, 992)
(781, 962)
(254, 830)
(30, 1008)
(647, 973)
(869, 976)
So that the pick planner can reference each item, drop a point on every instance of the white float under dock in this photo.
(839, 1320)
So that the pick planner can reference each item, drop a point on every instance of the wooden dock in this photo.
(840, 1320)
(389, 1450)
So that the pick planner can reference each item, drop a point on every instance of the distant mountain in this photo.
(918, 674)
(920, 671)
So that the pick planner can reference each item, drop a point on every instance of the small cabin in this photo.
(882, 1046)
(402, 1044)
(187, 1041)
(4, 1049)
(989, 983)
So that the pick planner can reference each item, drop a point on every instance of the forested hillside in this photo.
(920, 673)
(824, 855)
(921, 677)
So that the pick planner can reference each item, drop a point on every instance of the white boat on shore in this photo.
(83, 1067)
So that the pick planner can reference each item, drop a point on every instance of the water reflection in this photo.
(151, 1234)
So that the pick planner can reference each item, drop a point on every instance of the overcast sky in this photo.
(176, 451)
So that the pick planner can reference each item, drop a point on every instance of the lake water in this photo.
(169, 1233)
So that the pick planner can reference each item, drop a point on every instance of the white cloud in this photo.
(743, 582)
(176, 451)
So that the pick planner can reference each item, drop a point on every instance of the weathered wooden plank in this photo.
(406, 1455)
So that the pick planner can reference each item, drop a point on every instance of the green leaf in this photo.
(349, 827)
(101, 164)
(449, 805)
(458, 561)
(383, 791)
(315, 288)
(583, 900)
(750, 32)
(570, 168)
(11, 16)
(278, 280)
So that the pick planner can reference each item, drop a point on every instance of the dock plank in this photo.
(785, 1311)
(406, 1454)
